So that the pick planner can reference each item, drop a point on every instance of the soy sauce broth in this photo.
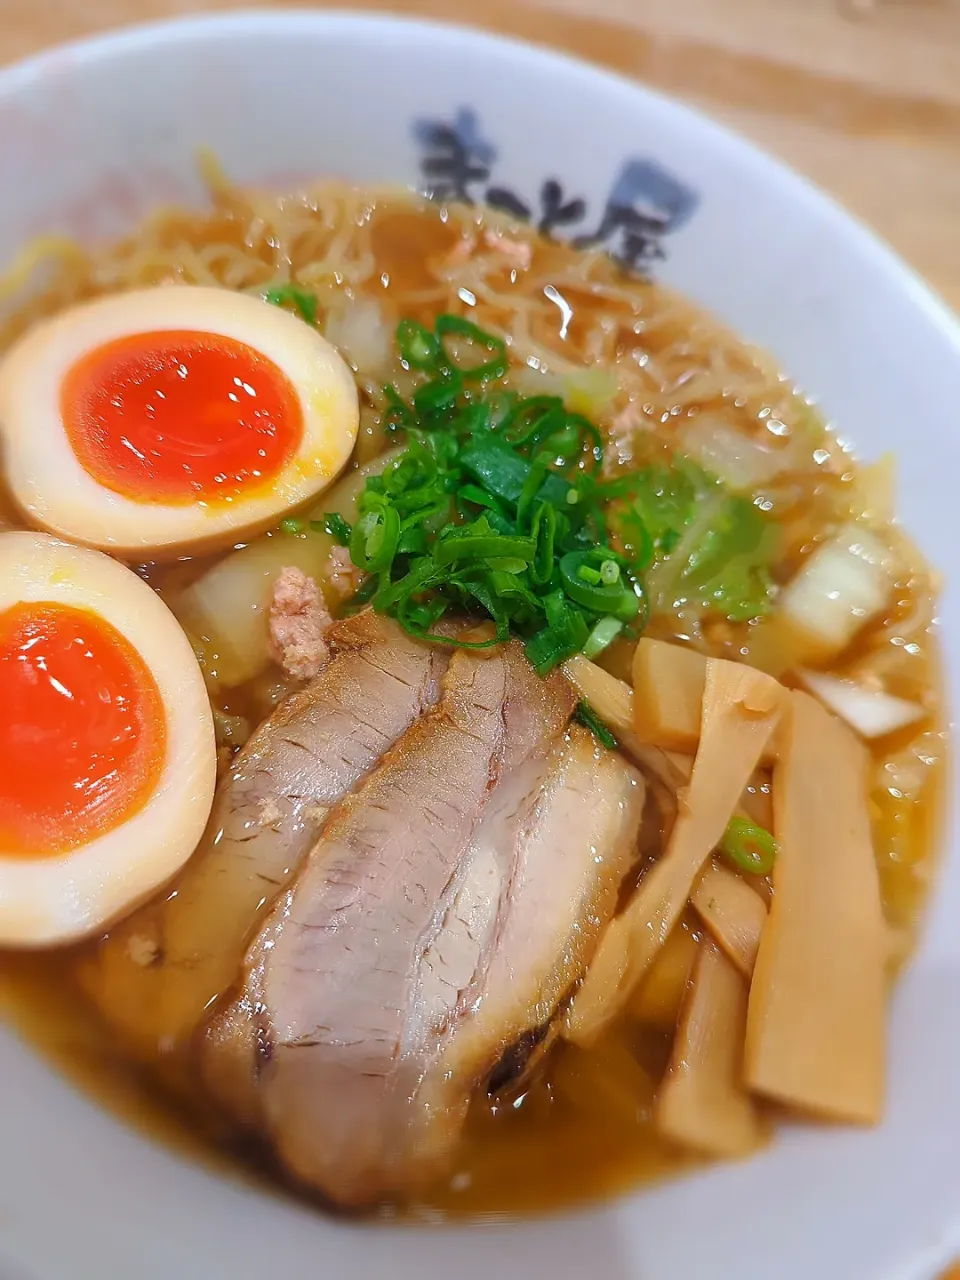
(642, 364)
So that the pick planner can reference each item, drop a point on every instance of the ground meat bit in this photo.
(298, 621)
(342, 574)
(461, 252)
(518, 253)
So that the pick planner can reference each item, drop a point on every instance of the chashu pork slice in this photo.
(342, 1029)
(534, 712)
(157, 973)
(439, 922)
(377, 949)
(572, 840)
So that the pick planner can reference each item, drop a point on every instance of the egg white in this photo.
(64, 897)
(56, 493)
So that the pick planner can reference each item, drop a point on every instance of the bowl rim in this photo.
(914, 299)
(107, 45)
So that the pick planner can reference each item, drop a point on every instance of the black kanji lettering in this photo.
(456, 158)
(644, 205)
(509, 202)
(555, 211)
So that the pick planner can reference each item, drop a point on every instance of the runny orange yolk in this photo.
(82, 729)
(180, 416)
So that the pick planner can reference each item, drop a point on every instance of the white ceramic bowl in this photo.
(93, 136)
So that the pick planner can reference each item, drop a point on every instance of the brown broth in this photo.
(583, 1128)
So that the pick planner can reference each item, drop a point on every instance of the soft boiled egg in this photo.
(106, 742)
(149, 422)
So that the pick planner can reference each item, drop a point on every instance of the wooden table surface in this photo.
(861, 95)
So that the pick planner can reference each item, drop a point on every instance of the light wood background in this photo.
(861, 95)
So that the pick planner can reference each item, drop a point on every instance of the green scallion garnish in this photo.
(602, 635)
(498, 505)
(305, 304)
(417, 345)
(589, 718)
(750, 847)
(479, 355)
(335, 525)
(616, 598)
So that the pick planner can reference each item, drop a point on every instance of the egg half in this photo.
(107, 752)
(178, 417)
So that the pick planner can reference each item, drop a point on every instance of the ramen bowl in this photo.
(93, 137)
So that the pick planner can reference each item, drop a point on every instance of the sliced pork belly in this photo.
(573, 840)
(348, 968)
(157, 972)
(228, 1052)
(446, 910)
(533, 713)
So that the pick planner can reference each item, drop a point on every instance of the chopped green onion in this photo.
(495, 366)
(335, 525)
(363, 594)
(562, 637)
(479, 497)
(418, 346)
(498, 503)
(484, 547)
(531, 488)
(592, 442)
(533, 420)
(440, 395)
(292, 526)
(589, 718)
(603, 634)
(749, 847)
(639, 544)
(373, 542)
(496, 467)
(543, 531)
(616, 598)
(563, 444)
(304, 303)
(413, 542)
(398, 415)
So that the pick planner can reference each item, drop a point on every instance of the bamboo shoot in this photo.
(613, 701)
(733, 912)
(668, 682)
(740, 710)
(815, 1030)
(660, 995)
(668, 686)
(703, 1102)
